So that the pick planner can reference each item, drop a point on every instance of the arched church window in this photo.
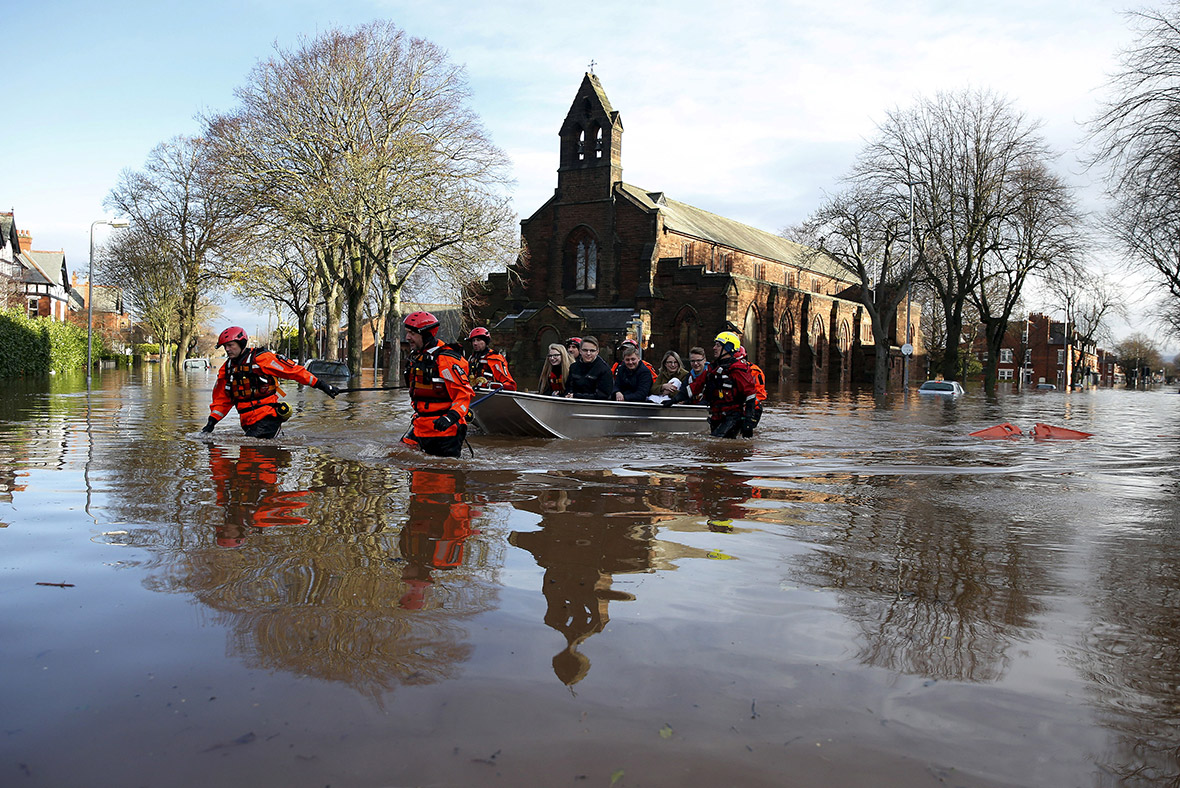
(582, 257)
(598, 143)
(581, 144)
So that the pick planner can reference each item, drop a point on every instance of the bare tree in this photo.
(866, 233)
(365, 138)
(187, 220)
(1139, 355)
(282, 275)
(1138, 139)
(1038, 235)
(963, 151)
(152, 284)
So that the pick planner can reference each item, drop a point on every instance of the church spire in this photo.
(591, 144)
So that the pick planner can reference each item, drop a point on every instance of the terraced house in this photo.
(35, 281)
(612, 260)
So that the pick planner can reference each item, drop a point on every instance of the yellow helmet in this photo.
(729, 340)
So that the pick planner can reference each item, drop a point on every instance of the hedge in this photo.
(34, 346)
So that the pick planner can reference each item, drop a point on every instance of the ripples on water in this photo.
(862, 594)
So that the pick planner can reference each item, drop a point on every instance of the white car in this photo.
(948, 388)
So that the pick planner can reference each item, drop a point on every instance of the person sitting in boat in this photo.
(590, 377)
(633, 379)
(555, 374)
(729, 390)
(573, 346)
(629, 343)
(693, 390)
(486, 366)
(759, 378)
(669, 383)
(248, 381)
(440, 392)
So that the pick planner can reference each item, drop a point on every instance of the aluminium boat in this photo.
(525, 415)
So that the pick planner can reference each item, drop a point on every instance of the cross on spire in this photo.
(592, 64)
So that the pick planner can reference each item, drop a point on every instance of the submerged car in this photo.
(197, 363)
(322, 368)
(950, 388)
(1046, 387)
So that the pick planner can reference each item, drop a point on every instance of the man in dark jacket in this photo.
(590, 376)
(632, 378)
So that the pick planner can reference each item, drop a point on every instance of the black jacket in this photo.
(634, 383)
(591, 381)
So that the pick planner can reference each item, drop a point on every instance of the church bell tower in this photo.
(591, 146)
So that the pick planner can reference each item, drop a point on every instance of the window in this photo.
(760, 271)
(686, 253)
(815, 284)
(586, 272)
(1005, 374)
(34, 307)
(1060, 357)
(788, 279)
(1005, 355)
(598, 144)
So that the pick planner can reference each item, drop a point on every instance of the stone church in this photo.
(607, 259)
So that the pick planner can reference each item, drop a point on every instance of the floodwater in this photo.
(862, 595)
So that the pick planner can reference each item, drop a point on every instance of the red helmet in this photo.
(422, 322)
(233, 334)
(479, 331)
(740, 353)
(573, 341)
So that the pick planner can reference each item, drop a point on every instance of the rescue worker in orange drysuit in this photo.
(729, 390)
(439, 389)
(486, 366)
(248, 381)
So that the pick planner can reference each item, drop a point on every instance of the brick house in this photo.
(1037, 345)
(611, 260)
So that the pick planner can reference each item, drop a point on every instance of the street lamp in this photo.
(90, 291)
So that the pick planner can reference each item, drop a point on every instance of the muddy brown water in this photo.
(861, 595)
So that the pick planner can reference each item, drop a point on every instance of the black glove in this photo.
(747, 428)
(209, 425)
(446, 421)
(668, 403)
(327, 388)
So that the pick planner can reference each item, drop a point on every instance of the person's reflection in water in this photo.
(247, 487)
(580, 552)
(433, 537)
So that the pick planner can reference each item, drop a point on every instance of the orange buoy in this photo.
(1004, 430)
(1060, 433)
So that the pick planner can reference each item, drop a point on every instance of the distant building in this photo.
(611, 260)
(34, 281)
(1035, 351)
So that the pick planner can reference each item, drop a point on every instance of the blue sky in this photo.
(752, 109)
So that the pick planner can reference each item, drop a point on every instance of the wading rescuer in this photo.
(439, 389)
(759, 378)
(248, 381)
(486, 366)
(729, 390)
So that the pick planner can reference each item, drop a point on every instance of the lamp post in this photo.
(909, 295)
(90, 292)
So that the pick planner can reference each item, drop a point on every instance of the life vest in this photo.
(428, 389)
(721, 389)
(245, 382)
(492, 367)
(556, 385)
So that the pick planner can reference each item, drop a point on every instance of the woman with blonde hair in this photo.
(555, 374)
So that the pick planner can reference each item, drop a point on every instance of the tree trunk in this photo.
(393, 327)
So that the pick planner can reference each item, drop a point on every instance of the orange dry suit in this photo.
(438, 383)
(249, 383)
(491, 367)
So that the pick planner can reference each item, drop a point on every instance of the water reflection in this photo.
(589, 533)
(246, 487)
(434, 536)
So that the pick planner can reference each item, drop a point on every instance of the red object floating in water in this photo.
(1004, 430)
(1060, 433)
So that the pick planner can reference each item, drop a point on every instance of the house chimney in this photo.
(26, 240)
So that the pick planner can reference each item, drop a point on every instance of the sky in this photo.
(750, 109)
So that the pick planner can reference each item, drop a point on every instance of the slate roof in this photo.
(8, 231)
(43, 268)
(698, 223)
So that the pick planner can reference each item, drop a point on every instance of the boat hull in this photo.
(525, 415)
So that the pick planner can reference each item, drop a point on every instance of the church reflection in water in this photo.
(597, 526)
